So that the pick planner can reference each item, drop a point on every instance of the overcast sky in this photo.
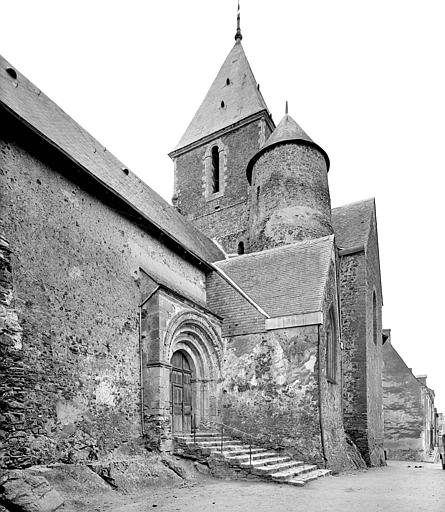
(365, 80)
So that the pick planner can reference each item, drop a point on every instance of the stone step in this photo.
(292, 472)
(299, 481)
(228, 441)
(238, 452)
(201, 434)
(240, 459)
(275, 468)
(258, 463)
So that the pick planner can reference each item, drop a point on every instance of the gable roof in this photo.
(352, 223)
(241, 98)
(287, 280)
(49, 121)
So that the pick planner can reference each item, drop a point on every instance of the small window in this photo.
(215, 169)
(241, 248)
(331, 348)
(228, 81)
(257, 193)
(374, 318)
(222, 104)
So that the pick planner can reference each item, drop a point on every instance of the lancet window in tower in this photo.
(215, 169)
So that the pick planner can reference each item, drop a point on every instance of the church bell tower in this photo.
(210, 160)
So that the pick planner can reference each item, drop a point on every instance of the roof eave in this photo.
(165, 233)
(264, 113)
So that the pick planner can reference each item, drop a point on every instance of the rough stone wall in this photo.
(374, 359)
(221, 217)
(289, 197)
(270, 389)
(362, 357)
(76, 261)
(353, 325)
(337, 450)
(402, 408)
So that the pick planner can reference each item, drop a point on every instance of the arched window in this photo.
(331, 352)
(374, 318)
(215, 169)
(241, 248)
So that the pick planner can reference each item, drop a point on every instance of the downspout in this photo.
(141, 364)
(323, 449)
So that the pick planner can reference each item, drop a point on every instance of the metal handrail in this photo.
(225, 426)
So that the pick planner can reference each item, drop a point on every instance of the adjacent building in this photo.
(410, 418)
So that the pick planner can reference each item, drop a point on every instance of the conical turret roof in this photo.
(233, 96)
(287, 131)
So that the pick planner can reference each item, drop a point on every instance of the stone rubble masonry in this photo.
(72, 360)
(220, 217)
(403, 409)
(271, 390)
(289, 197)
(362, 358)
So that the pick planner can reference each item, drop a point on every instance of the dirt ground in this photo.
(400, 487)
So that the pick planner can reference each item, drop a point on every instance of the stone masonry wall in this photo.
(289, 197)
(353, 318)
(403, 409)
(374, 353)
(270, 389)
(76, 260)
(221, 217)
(362, 390)
(340, 455)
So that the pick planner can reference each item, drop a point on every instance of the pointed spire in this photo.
(238, 35)
(286, 110)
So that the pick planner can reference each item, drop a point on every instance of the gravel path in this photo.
(396, 488)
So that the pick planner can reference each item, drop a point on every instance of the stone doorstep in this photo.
(292, 472)
(275, 468)
(309, 477)
(264, 462)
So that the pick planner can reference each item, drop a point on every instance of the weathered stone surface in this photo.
(69, 337)
(23, 492)
(221, 217)
(362, 355)
(289, 197)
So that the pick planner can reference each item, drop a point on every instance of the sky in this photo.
(365, 80)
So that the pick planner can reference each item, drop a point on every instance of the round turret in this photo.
(289, 189)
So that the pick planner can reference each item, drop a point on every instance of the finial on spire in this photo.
(238, 35)
(286, 110)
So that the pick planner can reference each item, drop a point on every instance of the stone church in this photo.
(250, 302)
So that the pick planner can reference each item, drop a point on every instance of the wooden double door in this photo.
(181, 389)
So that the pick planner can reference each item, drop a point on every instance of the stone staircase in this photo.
(252, 461)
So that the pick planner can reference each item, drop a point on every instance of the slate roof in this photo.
(286, 131)
(241, 99)
(287, 280)
(35, 109)
(352, 223)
